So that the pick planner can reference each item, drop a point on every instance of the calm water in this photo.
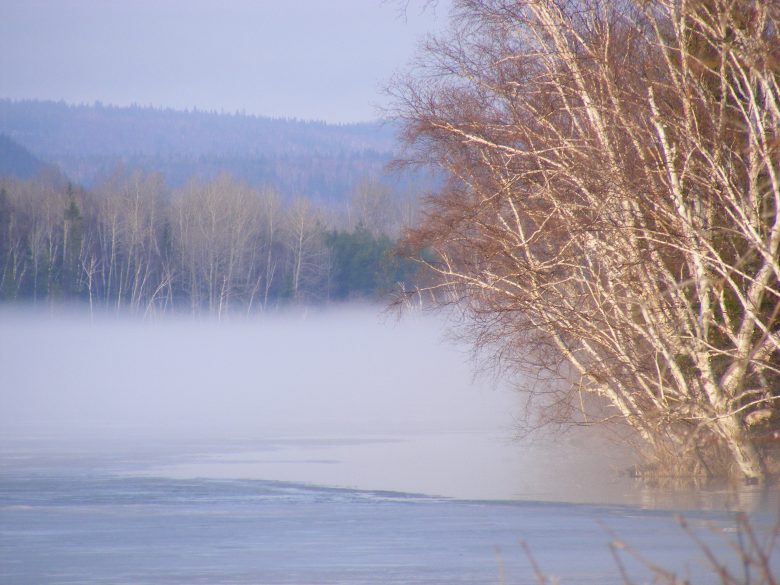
(71, 517)
(301, 449)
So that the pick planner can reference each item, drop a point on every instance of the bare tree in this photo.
(42, 207)
(129, 221)
(372, 206)
(215, 233)
(612, 210)
(304, 240)
(13, 256)
(271, 219)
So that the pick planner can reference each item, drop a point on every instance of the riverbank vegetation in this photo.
(612, 218)
(133, 244)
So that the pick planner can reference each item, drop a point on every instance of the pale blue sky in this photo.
(310, 59)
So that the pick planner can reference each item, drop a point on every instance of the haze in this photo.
(342, 371)
(308, 59)
(344, 397)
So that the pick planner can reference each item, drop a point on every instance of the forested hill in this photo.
(17, 161)
(313, 159)
(162, 210)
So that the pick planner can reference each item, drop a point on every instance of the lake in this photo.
(320, 448)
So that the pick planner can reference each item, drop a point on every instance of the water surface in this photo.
(76, 525)
(332, 448)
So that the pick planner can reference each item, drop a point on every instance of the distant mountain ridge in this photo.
(55, 128)
(314, 159)
(16, 160)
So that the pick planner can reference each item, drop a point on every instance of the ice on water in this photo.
(334, 448)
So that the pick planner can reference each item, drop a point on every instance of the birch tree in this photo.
(13, 252)
(215, 235)
(129, 222)
(271, 211)
(304, 240)
(372, 206)
(611, 215)
(43, 207)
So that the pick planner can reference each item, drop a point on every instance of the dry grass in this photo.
(753, 552)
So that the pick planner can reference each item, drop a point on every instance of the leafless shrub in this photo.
(751, 561)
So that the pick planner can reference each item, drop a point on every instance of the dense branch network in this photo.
(613, 206)
(216, 246)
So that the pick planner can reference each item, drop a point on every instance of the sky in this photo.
(308, 59)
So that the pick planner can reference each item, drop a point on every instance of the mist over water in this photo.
(342, 397)
(304, 446)
(338, 371)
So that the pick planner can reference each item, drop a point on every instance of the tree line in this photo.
(612, 217)
(216, 246)
(53, 128)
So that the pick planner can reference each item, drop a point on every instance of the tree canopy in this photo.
(217, 246)
(611, 214)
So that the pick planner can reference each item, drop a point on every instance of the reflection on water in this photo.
(711, 495)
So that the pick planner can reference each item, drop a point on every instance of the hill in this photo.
(17, 161)
(318, 160)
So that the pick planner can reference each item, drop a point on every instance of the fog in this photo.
(344, 397)
(339, 371)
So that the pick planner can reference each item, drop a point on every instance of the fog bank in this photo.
(344, 397)
(339, 371)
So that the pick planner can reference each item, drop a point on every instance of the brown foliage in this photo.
(612, 206)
